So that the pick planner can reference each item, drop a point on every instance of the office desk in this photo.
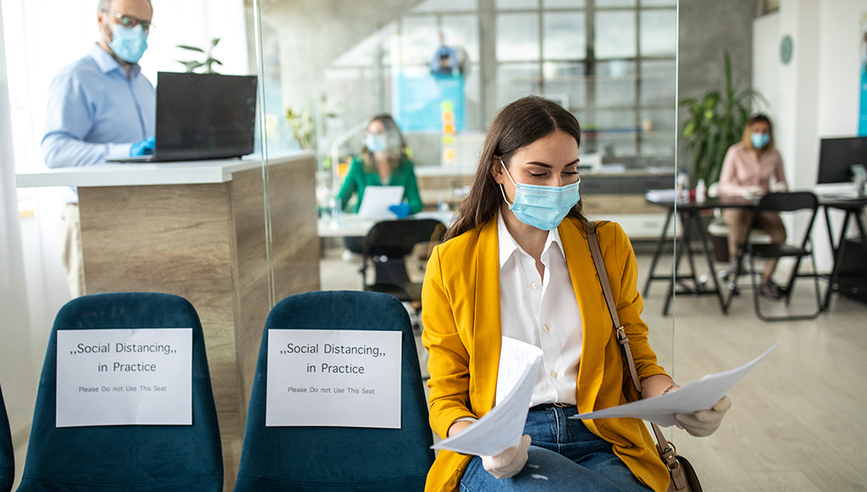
(853, 209)
(351, 225)
(689, 213)
(197, 230)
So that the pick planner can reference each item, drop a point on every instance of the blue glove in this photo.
(401, 210)
(145, 147)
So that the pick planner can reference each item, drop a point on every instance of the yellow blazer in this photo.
(461, 316)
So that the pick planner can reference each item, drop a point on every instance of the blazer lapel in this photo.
(487, 340)
(595, 319)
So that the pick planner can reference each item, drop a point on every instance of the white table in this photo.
(351, 225)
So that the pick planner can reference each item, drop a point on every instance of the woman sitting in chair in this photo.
(517, 263)
(753, 167)
(383, 161)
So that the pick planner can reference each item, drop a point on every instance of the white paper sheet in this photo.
(692, 397)
(377, 199)
(334, 378)
(124, 377)
(503, 426)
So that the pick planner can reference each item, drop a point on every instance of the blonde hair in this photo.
(747, 140)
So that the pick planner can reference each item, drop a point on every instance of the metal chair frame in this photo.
(782, 202)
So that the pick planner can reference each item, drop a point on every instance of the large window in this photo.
(610, 62)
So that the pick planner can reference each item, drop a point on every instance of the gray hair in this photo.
(104, 4)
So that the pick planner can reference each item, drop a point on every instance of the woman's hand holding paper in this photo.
(704, 422)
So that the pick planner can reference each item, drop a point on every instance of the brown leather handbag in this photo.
(683, 477)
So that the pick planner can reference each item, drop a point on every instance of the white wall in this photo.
(839, 59)
(817, 94)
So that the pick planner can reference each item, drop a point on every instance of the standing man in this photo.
(99, 107)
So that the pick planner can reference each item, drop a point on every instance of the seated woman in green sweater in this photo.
(383, 162)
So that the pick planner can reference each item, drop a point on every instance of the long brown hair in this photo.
(519, 124)
(747, 140)
(396, 144)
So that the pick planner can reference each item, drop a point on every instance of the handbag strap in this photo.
(665, 449)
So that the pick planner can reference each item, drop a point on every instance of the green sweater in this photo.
(357, 180)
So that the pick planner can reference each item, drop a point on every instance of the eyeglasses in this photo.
(130, 21)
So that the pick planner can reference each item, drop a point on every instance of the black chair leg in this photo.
(798, 317)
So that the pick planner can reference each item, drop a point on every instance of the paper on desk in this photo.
(502, 427)
(690, 398)
(377, 199)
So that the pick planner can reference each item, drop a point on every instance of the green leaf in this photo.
(191, 48)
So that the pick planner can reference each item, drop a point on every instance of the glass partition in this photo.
(328, 68)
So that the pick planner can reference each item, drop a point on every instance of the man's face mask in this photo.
(128, 43)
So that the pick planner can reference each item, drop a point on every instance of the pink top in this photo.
(743, 169)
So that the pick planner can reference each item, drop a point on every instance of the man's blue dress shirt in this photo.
(95, 112)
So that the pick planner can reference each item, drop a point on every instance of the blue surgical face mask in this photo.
(542, 207)
(128, 43)
(375, 143)
(759, 140)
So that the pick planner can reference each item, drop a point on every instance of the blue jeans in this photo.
(564, 456)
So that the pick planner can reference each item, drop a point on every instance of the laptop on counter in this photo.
(202, 116)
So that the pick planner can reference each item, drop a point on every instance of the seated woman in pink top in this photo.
(753, 167)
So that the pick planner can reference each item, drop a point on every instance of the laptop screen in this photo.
(204, 116)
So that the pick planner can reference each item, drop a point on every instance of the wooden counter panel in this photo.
(294, 254)
(207, 243)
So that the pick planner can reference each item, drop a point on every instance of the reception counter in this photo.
(197, 230)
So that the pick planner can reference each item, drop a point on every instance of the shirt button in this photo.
(545, 328)
(533, 286)
(553, 374)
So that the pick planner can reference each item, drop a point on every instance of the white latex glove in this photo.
(704, 422)
(510, 462)
(779, 187)
(752, 191)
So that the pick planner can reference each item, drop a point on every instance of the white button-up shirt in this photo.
(543, 312)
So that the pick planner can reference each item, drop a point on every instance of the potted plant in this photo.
(207, 63)
(716, 122)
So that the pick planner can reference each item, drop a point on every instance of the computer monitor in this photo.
(837, 155)
(204, 116)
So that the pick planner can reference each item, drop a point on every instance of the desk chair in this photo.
(308, 459)
(140, 458)
(7, 453)
(783, 202)
(387, 244)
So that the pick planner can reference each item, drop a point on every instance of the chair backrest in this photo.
(790, 202)
(396, 238)
(787, 202)
(338, 458)
(133, 457)
(7, 454)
